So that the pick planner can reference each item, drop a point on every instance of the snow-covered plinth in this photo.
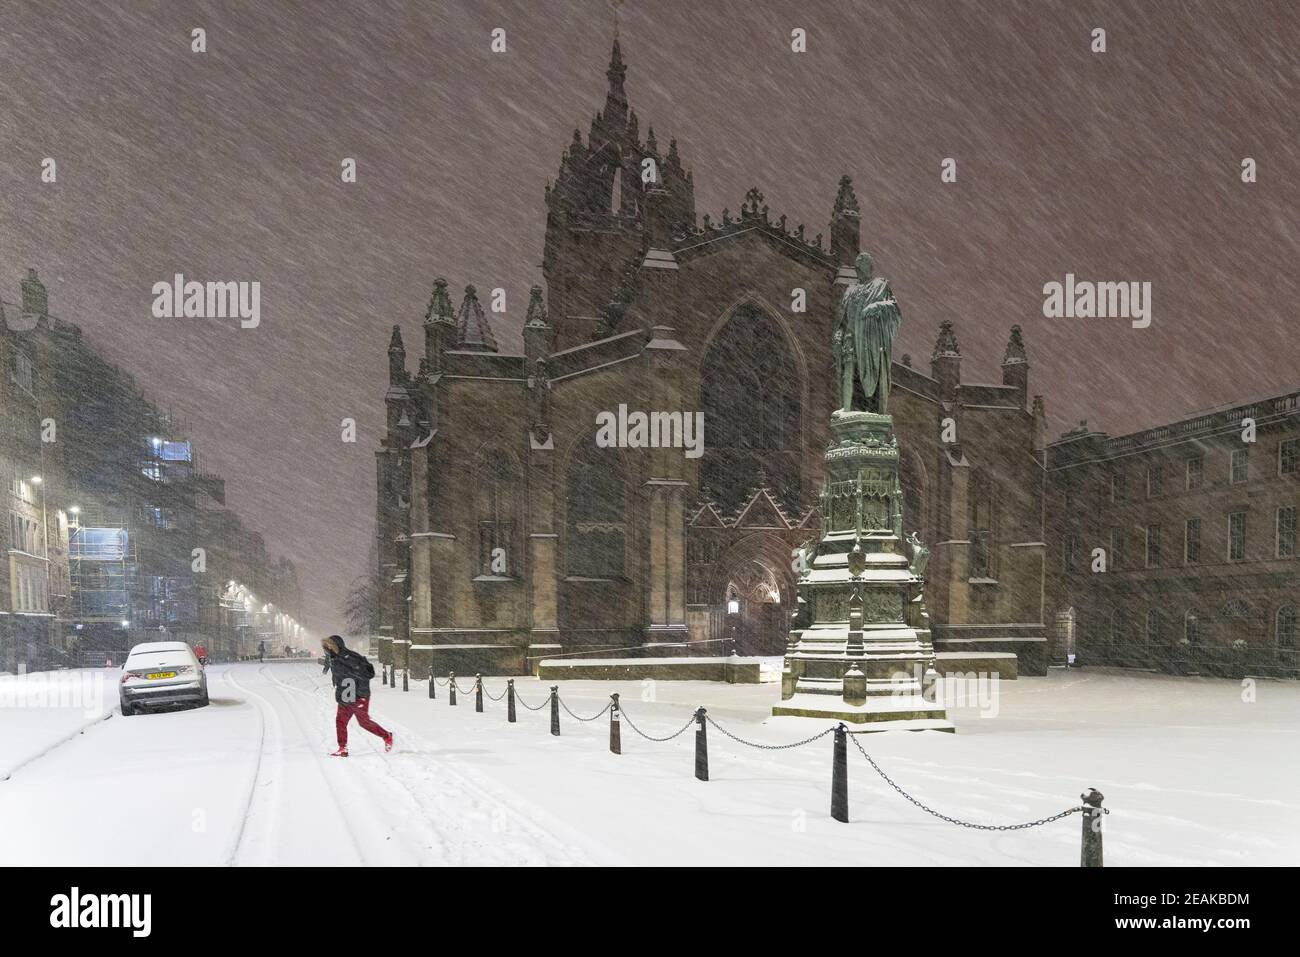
(878, 713)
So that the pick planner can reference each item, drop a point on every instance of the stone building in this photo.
(1196, 522)
(104, 505)
(508, 531)
(34, 526)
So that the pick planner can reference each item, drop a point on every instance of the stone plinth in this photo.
(860, 645)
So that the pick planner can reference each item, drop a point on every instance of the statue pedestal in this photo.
(861, 648)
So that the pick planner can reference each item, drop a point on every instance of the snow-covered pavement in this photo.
(1193, 774)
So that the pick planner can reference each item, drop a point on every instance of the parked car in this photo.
(162, 672)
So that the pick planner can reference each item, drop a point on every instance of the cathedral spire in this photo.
(615, 113)
(396, 357)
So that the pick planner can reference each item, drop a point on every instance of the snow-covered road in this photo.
(1193, 774)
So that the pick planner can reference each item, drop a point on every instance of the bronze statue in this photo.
(866, 321)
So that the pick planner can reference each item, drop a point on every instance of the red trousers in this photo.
(361, 709)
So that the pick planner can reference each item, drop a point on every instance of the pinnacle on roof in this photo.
(536, 317)
(1015, 348)
(439, 304)
(845, 199)
(946, 344)
(472, 329)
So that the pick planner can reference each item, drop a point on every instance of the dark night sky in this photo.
(1122, 166)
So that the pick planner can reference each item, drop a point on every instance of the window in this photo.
(1071, 548)
(1153, 627)
(1154, 478)
(1288, 457)
(750, 366)
(20, 370)
(1286, 532)
(495, 500)
(1118, 626)
(1153, 546)
(1286, 627)
(1236, 536)
(595, 522)
(1192, 541)
(1116, 549)
(1117, 492)
(1192, 628)
(1239, 469)
(1195, 472)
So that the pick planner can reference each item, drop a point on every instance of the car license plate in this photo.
(160, 674)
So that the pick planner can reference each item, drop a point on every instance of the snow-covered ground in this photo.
(1193, 774)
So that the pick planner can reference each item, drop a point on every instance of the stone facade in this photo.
(1198, 530)
(647, 308)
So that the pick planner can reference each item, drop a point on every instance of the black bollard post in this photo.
(510, 700)
(451, 687)
(406, 681)
(432, 684)
(555, 710)
(478, 693)
(701, 748)
(615, 738)
(840, 776)
(1090, 855)
(383, 674)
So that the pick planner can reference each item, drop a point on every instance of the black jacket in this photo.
(351, 674)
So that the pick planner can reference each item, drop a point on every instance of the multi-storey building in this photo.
(1176, 547)
(34, 522)
(108, 537)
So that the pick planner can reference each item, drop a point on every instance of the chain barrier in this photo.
(952, 820)
(577, 718)
(768, 747)
(469, 690)
(649, 737)
(694, 718)
(527, 706)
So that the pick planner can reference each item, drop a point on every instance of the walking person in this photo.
(351, 674)
(261, 651)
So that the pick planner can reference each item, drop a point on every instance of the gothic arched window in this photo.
(750, 391)
(595, 509)
(496, 507)
(1286, 627)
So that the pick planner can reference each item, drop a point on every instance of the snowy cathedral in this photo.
(507, 533)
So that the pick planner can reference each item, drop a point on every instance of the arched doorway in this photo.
(754, 587)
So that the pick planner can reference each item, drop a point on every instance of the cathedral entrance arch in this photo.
(754, 586)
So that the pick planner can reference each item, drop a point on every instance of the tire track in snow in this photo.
(344, 820)
(383, 829)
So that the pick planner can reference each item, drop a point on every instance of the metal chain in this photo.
(521, 701)
(491, 697)
(767, 747)
(649, 737)
(592, 718)
(952, 820)
(441, 682)
(463, 690)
